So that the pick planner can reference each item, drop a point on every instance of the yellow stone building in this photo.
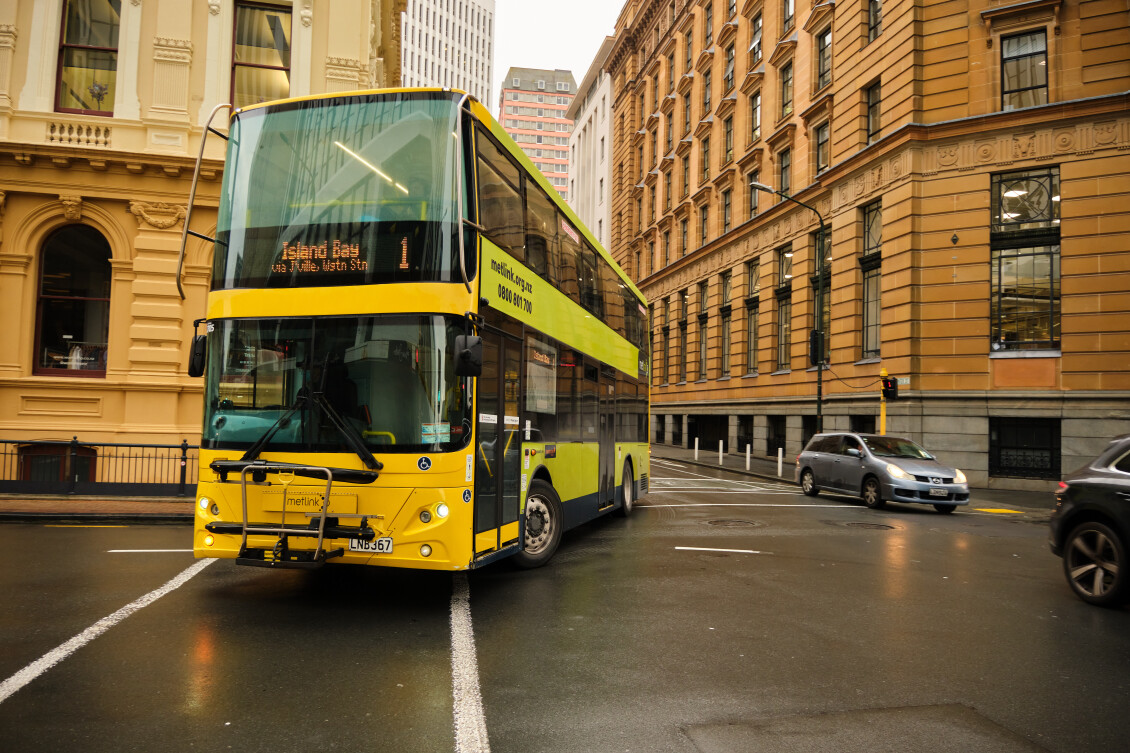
(103, 105)
(970, 162)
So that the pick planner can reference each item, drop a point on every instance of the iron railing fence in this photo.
(113, 469)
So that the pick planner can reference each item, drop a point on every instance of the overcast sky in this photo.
(549, 34)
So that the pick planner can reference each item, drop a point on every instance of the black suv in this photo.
(1090, 528)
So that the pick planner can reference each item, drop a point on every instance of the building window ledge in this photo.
(1026, 354)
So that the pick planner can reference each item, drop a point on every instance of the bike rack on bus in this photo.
(185, 232)
(282, 556)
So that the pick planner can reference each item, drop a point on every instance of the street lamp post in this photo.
(817, 332)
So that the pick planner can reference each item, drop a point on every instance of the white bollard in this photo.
(719, 452)
(780, 460)
(696, 448)
(747, 457)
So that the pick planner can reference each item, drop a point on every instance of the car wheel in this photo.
(808, 483)
(872, 493)
(945, 509)
(627, 492)
(1095, 562)
(543, 526)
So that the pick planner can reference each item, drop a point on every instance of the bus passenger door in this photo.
(498, 445)
(606, 403)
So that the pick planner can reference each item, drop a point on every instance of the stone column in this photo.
(344, 34)
(15, 310)
(156, 312)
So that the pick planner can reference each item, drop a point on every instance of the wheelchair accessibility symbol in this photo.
(424, 463)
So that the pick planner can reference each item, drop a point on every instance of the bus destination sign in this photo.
(324, 257)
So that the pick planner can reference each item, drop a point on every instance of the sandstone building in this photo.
(102, 109)
(970, 163)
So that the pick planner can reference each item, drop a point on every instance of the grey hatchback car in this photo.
(879, 469)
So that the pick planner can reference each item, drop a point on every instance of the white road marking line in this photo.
(667, 463)
(142, 551)
(53, 657)
(741, 504)
(719, 490)
(470, 724)
(710, 549)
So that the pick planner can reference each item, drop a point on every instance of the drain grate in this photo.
(735, 523)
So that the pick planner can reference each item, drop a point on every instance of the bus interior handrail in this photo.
(185, 232)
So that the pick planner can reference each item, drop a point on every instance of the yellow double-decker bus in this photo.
(416, 355)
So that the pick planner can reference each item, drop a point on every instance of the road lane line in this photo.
(741, 504)
(710, 549)
(140, 551)
(53, 657)
(470, 723)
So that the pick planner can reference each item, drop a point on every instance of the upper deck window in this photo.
(344, 191)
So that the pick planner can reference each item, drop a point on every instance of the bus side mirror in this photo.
(468, 355)
(196, 355)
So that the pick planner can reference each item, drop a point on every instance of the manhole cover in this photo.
(735, 523)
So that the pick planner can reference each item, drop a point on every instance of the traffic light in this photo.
(890, 388)
(815, 341)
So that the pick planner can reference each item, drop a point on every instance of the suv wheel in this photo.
(1095, 562)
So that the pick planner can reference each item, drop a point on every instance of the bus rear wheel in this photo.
(544, 525)
(627, 492)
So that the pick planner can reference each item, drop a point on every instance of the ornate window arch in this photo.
(72, 319)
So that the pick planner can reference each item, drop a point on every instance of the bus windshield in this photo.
(352, 191)
(390, 379)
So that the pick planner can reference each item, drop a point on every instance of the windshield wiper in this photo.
(352, 438)
(254, 450)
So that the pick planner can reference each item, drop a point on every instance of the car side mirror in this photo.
(196, 355)
(854, 452)
(468, 355)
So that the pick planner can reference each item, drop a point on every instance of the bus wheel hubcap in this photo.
(538, 524)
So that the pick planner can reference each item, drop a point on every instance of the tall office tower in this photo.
(532, 107)
(590, 147)
(448, 43)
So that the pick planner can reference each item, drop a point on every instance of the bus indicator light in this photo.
(442, 510)
(425, 550)
(209, 540)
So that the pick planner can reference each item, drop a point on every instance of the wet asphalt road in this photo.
(830, 627)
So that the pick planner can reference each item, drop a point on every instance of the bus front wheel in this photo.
(544, 526)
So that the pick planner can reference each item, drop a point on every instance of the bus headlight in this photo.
(204, 502)
(441, 510)
(425, 550)
(209, 540)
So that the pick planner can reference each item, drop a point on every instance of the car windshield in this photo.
(318, 384)
(895, 447)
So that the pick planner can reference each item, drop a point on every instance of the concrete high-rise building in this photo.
(450, 44)
(590, 147)
(532, 107)
(102, 110)
(968, 164)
